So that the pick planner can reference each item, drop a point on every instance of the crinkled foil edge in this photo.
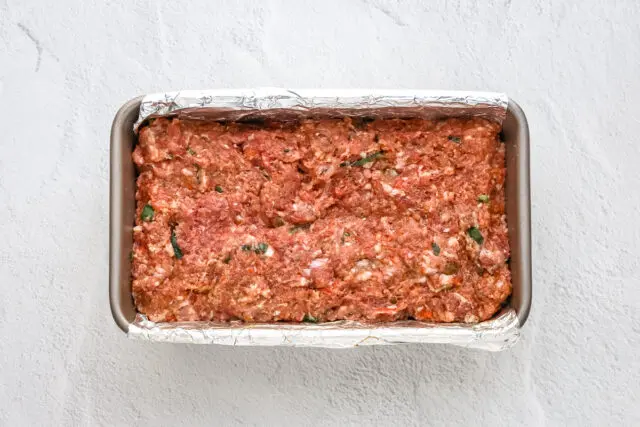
(497, 334)
(282, 104)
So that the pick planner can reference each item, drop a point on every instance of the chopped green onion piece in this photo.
(362, 122)
(190, 151)
(278, 221)
(300, 227)
(455, 139)
(174, 242)
(451, 268)
(483, 198)
(147, 213)
(309, 319)
(436, 248)
(265, 174)
(218, 189)
(260, 248)
(475, 234)
(367, 159)
(445, 287)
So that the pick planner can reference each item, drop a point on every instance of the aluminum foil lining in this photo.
(288, 104)
(497, 334)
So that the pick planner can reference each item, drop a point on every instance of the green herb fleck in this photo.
(309, 318)
(174, 242)
(455, 139)
(367, 159)
(344, 164)
(444, 288)
(362, 122)
(483, 198)
(261, 248)
(451, 268)
(346, 234)
(393, 300)
(147, 213)
(278, 222)
(436, 248)
(475, 234)
(265, 174)
(169, 156)
(198, 173)
(190, 151)
(376, 137)
(131, 256)
(300, 227)
(227, 259)
(286, 150)
(218, 189)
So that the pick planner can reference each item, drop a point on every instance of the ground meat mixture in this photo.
(320, 220)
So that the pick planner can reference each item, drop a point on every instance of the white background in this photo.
(65, 68)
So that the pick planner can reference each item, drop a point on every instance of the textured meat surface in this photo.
(320, 221)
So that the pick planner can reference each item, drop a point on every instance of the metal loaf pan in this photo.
(122, 211)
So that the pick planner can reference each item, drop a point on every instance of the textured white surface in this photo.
(64, 70)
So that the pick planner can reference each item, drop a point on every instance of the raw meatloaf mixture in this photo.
(320, 220)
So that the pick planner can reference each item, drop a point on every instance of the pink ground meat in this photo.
(320, 220)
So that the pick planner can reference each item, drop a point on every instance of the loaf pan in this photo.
(496, 334)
